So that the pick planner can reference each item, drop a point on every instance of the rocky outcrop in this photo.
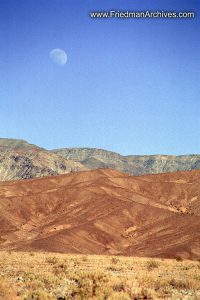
(30, 164)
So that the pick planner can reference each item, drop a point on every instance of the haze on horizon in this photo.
(129, 86)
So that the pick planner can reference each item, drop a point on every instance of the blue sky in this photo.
(129, 86)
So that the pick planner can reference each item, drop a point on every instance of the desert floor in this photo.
(37, 275)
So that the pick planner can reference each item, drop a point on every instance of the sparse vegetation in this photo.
(152, 264)
(47, 276)
(114, 260)
(84, 258)
(179, 258)
(52, 260)
(6, 290)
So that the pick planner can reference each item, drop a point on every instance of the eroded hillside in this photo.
(103, 212)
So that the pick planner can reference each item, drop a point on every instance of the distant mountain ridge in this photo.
(16, 144)
(21, 160)
(131, 164)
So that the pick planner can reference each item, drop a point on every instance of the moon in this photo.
(58, 56)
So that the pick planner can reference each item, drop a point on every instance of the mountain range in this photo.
(88, 201)
(21, 160)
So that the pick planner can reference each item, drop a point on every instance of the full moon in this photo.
(58, 56)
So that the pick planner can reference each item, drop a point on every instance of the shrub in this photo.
(115, 268)
(84, 258)
(152, 264)
(179, 258)
(138, 293)
(87, 285)
(52, 260)
(183, 284)
(114, 260)
(118, 287)
(60, 268)
(39, 294)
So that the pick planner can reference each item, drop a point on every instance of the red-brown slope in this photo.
(103, 212)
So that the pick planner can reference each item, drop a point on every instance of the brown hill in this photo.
(103, 212)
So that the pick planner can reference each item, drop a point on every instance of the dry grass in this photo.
(152, 264)
(45, 276)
